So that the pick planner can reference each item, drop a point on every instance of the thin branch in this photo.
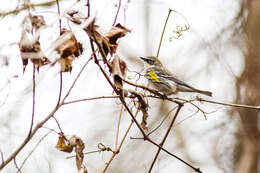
(34, 148)
(33, 103)
(165, 137)
(74, 82)
(18, 169)
(92, 98)
(118, 92)
(118, 126)
(178, 158)
(58, 8)
(121, 143)
(88, 5)
(60, 90)
(119, 5)
(58, 124)
(165, 24)
(43, 4)
(229, 104)
(41, 123)
(162, 121)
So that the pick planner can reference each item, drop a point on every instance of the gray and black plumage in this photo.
(164, 81)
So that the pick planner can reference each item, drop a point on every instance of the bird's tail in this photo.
(208, 93)
(191, 89)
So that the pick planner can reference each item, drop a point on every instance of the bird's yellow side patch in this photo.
(153, 76)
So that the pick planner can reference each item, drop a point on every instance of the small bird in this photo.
(164, 81)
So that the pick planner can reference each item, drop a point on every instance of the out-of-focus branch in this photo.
(43, 4)
(229, 104)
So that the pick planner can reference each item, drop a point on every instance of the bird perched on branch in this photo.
(164, 81)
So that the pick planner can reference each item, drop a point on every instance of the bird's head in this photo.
(151, 61)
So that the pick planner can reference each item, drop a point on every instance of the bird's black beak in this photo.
(142, 58)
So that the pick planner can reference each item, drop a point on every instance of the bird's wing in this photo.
(170, 77)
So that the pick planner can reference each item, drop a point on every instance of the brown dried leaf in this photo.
(68, 44)
(30, 47)
(68, 48)
(118, 70)
(108, 42)
(37, 21)
(66, 64)
(32, 50)
(79, 146)
(62, 144)
(115, 33)
(143, 106)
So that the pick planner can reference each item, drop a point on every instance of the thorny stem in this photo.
(165, 24)
(165, 137)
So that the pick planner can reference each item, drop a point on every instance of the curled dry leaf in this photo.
(115, 33)
(73, 143)
(29, 45)
(118, 70)
(143, 106)
(68, 48)
(63, 144)
(79, 146)
(107, 43)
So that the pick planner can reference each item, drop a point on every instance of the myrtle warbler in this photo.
(164, 81)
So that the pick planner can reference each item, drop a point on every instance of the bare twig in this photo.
(229, 104)
(33, 103)
(119, 5)
(74, 82)
(165, 24)
(118, 92)
(118, 126)
(58, 8)
(18, 169)
(162, 121)
(41, 123)
(88, 5)
(92, 98)
(178, 158)
(58, 124)
(165, 136)
(34, 148)
(43, 4)
(60, 90)
(121, 143)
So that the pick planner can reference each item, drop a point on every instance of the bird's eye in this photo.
(150, 61)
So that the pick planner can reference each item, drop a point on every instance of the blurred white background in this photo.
(208, 56)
